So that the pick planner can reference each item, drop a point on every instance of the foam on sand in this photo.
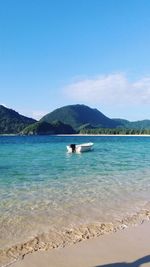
(52, 239)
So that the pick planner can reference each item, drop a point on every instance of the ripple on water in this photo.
(42, 188)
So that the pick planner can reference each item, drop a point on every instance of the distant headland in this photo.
(71, 119)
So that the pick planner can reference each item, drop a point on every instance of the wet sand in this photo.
(128, 247)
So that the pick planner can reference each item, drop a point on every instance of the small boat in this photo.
(72, 148)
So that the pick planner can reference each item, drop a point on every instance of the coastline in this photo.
(129, 246)
(134, 135)
(50, 238)
(113, 135)
(57, 241)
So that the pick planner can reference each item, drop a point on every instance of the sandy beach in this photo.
(129, 247)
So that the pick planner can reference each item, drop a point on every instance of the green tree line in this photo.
(115, 131)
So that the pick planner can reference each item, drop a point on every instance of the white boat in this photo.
(72, 148)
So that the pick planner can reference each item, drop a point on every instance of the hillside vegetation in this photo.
(79, 115)
(11, 122)
(144, 124)
(109, 131)
(69, 120)
(45, 128)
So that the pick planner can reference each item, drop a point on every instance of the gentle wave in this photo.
(43, 189)
(60, 239)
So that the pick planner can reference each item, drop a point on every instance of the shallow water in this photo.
(43, 188)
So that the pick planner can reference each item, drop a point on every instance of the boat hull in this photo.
(80, 148)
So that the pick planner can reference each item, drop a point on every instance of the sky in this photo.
(60, 52)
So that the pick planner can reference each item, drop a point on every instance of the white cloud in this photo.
(35, 114)
(142, 89)
(112, 89)
(38, 114)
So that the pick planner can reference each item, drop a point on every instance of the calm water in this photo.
(43, 187)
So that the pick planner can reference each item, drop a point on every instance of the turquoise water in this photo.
(43, 187)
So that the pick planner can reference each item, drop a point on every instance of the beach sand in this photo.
(129, 247)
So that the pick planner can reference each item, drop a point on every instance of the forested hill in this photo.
(144, 124)
(79, 115)
(45, 128)
(67, 120)
(11, 122)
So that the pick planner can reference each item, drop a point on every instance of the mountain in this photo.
(144, 124)
(11, 122)
(66, 120)
(79, 115)
(45, 128)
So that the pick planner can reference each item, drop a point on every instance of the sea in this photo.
(45, 191)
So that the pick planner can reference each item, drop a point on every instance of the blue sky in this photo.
(60, 52)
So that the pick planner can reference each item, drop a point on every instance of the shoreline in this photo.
(113, 135)
(129, 246)
(51, 240)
